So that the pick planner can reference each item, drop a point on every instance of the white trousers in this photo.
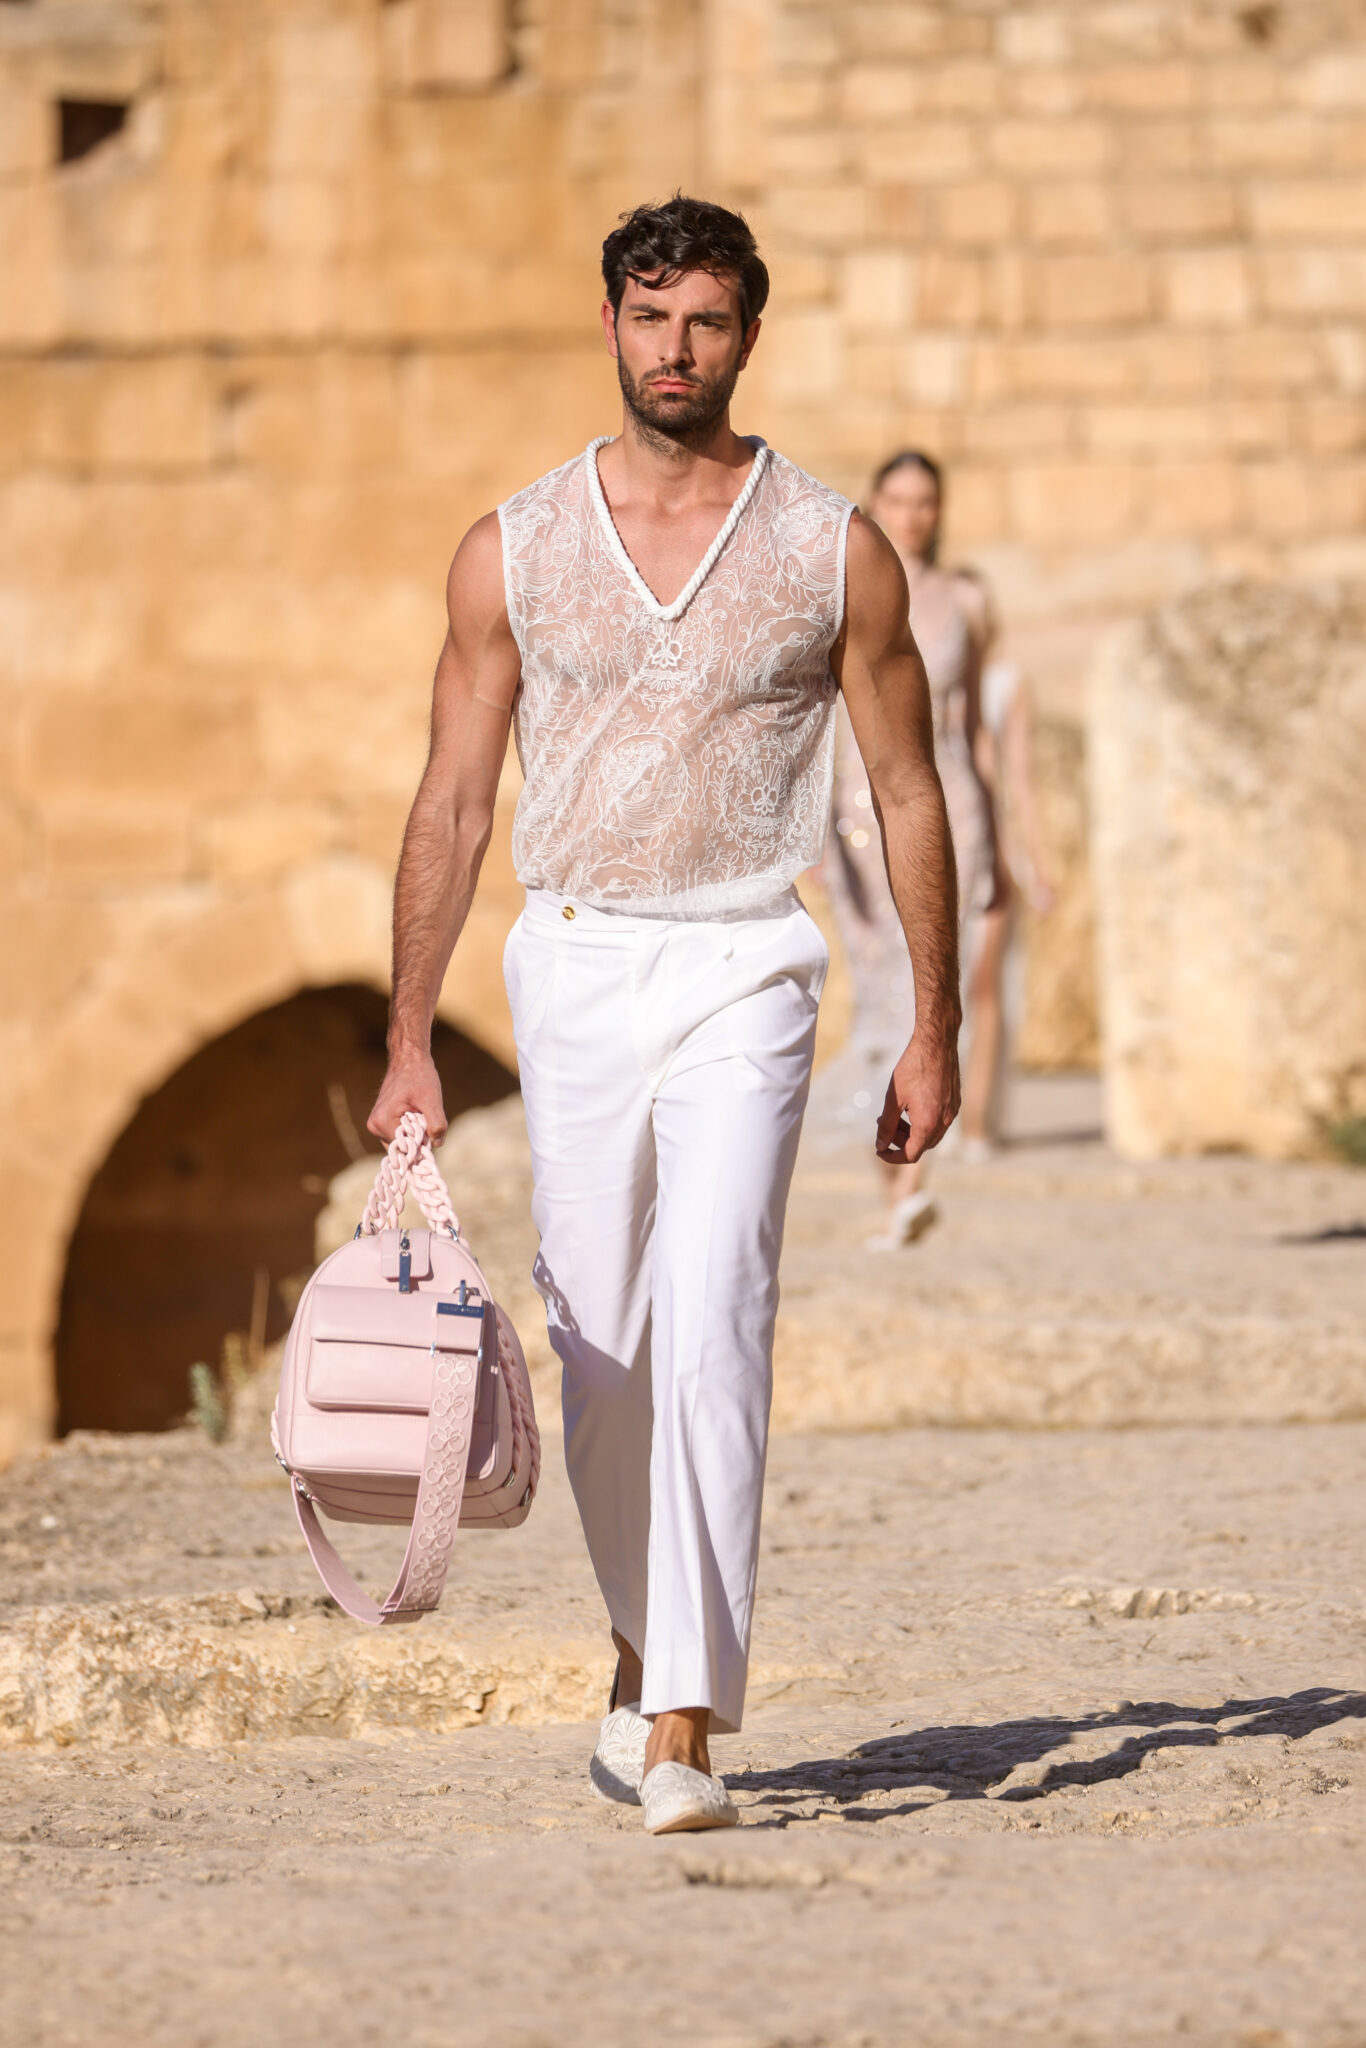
(664, 1070)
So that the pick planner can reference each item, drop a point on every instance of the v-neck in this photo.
(669, 612)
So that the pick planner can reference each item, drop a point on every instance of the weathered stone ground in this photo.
(1058, 1734)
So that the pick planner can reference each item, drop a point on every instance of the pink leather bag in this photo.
(404, 1395)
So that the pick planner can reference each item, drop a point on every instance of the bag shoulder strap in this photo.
(440, 1492)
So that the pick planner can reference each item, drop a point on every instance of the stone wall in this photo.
(326, 290)
(1228, 765)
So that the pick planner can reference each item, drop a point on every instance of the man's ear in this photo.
(609, 327)
(747, 346)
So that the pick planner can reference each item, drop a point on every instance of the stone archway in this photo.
(173, 972)
(205, 1202)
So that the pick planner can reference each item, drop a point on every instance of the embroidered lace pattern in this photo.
(677, 757)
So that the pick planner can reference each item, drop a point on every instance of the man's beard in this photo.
(683, 421)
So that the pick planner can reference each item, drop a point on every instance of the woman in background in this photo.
(950, 617)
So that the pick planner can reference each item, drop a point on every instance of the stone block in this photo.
(440, 45)
(51, 942)
(1280, 498)
(1058, 502)
(156, 414)
(1017, 430)
(1045, 37)
(1227, 745)
(1073, 211)
(914, 29)
(118, 742)
(1241, 84)
(1161, 429)
(1096, 291)
(1207, 288)
(1177, 362)
(933, 369)
(1162, 88)
(964, 85)
(1057, 147)
(1313, 281)
(927, 151)
(1162, 148)
(110, 846)
(950, 291)
(1192, 498)
(824, 214)
(1265, 142)
(1064, 368)
(875, 289)
(1179, 209)
(982, 213)
(1335, 79)
(25, 129)
(263, 837)
(1309, 209)
(882, 92)
(1130, 28)
(1334, 426)
(1049, 92)
(805, 356)
(809, 152)
(1271, 359)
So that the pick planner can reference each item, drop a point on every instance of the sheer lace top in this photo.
(677, 757)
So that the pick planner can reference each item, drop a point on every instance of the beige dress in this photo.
(874, 944)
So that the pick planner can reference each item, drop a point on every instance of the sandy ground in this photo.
(1057, 1735)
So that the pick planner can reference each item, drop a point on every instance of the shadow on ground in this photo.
(967, 1762)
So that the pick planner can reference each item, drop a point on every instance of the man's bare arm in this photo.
(450, 821)
(878, 666)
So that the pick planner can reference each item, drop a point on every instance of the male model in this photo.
(665, 622)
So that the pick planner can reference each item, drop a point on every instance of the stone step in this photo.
(896, 1367)
(263, 1665)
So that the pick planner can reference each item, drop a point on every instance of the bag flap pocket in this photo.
(381, 1379)
(364, 1315)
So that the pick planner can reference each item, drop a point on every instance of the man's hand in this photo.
(412, 1082)
(922, 1099)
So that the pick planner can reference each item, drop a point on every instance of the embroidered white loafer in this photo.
(678, 1800)
(619, 1759)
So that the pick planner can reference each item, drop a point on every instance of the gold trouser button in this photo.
(568, 911)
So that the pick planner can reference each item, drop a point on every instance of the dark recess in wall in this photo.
(219, 1175)
(82, 125)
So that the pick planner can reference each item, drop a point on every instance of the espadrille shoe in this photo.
(619, 1759)
(678, 1800)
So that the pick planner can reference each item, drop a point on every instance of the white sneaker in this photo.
(977, 1152)
(618, 1763)
(679, 1800)
(908, 1221)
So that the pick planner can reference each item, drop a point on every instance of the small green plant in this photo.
(207, 1406)
(1348, 1139)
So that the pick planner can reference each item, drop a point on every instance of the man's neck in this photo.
(644, 463)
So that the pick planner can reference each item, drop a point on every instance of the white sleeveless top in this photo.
(677, 757)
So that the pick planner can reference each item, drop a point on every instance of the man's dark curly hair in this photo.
(656, 245)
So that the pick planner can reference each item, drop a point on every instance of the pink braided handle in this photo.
(408, 1163)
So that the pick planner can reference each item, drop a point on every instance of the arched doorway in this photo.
(206, 1202)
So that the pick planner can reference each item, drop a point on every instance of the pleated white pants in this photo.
(664, 1071)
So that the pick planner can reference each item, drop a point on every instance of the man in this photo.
(665, 621)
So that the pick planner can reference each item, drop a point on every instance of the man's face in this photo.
(679, 350)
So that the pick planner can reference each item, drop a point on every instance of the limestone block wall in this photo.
(290, 290)
(326, 296)
(1228, 763)
(1107, 260)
